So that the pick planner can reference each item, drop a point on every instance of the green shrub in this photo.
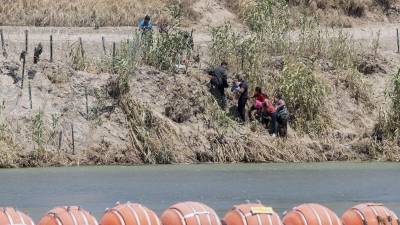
(38, 133)
(224, 44)
(310, 41)
(392, 122)
(305, 95)
(341, 51)
(169, 48)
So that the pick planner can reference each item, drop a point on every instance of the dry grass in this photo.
(77, 12)
(96, 13)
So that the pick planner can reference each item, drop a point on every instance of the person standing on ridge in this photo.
(145, 25)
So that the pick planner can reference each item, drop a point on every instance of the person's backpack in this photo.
(283, 114)
(216, 81)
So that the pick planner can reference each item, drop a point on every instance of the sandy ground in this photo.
(109, 134)
(92, 38)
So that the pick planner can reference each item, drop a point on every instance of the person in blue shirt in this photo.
(145, 25)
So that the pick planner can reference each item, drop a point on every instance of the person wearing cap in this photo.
(145, 24)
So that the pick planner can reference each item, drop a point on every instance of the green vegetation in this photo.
(38, 131)
(391, 124)
(305, 94)
(300, 78)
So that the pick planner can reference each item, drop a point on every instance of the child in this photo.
(258, 103)
(235, 87)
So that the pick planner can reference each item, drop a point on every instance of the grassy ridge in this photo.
(77, 12)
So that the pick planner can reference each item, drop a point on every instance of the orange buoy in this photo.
(311, 214)
(370, 214)
(189, 213)
(11, 216)
(68, 215)
(251, 214)
(129, 214)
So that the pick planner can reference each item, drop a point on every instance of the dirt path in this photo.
(92, 39)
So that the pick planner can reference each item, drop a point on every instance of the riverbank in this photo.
(87, 108)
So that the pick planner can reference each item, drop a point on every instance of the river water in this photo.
(282, 186)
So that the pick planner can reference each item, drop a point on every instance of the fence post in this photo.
(87, 103)
(26, 41)
(23, 71)
(103, 41)
(82, 50)
(30, 93)
(59, 141)
(3, 44)
(51, 48)
(113, 58)
(398, 41)
(73, 139)
(2, 39)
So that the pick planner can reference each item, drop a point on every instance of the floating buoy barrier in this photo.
(68, 215)
(189, 213)
(370, 214)
(11, 216)
(251, 214)
(129, 214)
(311, 214)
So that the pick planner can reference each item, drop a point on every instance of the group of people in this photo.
(270, 111)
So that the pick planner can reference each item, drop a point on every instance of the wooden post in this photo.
(87, 104)
(59, 141)
(26, 41)
(3, 44)
(23, 71)
(103, 41)
(398, 42)
(82, 50)
(113, 58)
(30, 93)
(73, 139)
(2, 39)
(51, 48)
(242, 54)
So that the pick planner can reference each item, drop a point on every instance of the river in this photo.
(282, 186)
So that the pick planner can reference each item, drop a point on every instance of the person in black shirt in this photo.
(243, 95)
(219, 81)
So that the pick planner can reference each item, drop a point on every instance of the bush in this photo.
(353, 8)
(224, 44)
(168, 48)
(340, 50)
(354, 82)
(392, 122)
(305, 95)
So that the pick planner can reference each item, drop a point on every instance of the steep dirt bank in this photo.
(166, 118)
